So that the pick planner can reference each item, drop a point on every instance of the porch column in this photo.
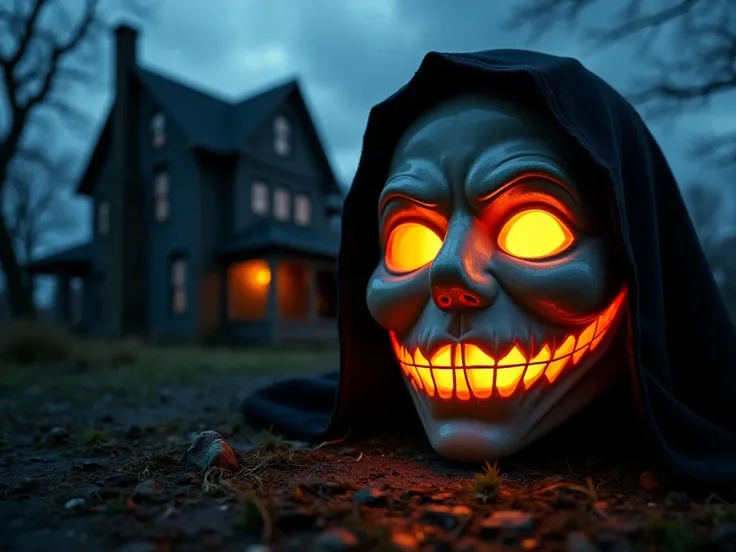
(273, 307)
(63, 305)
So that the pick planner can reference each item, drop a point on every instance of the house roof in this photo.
(269, 234)
(77, 258)
(210, 123)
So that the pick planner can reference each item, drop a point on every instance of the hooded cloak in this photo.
(681, 343)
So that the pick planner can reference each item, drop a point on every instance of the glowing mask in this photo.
(496, 282)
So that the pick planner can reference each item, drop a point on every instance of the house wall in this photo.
(178, 234)
(297, 172)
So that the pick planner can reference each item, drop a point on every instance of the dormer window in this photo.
(161, 195)
(281, 135)
(158, 130)
(103, 218)
(302, 210)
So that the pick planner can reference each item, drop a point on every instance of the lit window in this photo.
(158, 130)
(161, 195)
(281, 135)
(302, 210)
(281, 204)
(103, 218)
(259, 198)
(179, 285)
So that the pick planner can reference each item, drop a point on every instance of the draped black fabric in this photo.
(681, 343)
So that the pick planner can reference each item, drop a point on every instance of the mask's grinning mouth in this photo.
(464, 370)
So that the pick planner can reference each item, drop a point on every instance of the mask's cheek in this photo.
(397, 302)
(567, 290)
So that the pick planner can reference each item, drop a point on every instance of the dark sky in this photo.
(351, 54)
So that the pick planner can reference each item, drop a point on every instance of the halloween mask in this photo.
(496, 281)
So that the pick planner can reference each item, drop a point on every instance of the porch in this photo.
(279, 285)
(71, 269)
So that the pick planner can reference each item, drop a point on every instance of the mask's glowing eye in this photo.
(410, 246)
(534, 234)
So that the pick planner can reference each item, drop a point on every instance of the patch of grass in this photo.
(268, 441)
(487, 483)
(719, 511)
(92, 437)
(151, 466)
(28, 342)
(50, 358)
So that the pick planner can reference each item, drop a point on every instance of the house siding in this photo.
(179, 234)
(94, 285)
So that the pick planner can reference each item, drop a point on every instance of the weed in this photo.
(488, 482)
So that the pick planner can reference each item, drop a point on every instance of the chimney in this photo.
(124, 257)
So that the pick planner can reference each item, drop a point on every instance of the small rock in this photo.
(578, 542)
(371, 497)
(650, 480)
(441, 497)
(147, 491)
(337, 540)
(508, 521)
(209, 450)
(88, 467)
(404, 542)
(25, 485)
(56, 435)
(445, 516)
(74, 503)
(529, 544)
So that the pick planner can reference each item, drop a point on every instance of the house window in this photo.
(103, 218)
(292, 290)
(282, 204)
(302, 210)
(158, 130)
(248, 287)
(179, 269)
(161, 195)
(281, 135)
(259, 198)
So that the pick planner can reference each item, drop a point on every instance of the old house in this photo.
(210, 217)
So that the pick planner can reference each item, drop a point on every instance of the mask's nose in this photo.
(458, 277)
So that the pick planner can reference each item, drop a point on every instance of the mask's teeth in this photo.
(478, 370)
(536, 366)
(510, 369)
(442, 376)
(560, 358)
(583, 342)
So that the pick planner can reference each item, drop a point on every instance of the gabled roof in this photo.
(211, 123)
(270, 234)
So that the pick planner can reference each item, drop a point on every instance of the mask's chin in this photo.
(464, 427)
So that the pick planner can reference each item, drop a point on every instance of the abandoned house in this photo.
(210, 218)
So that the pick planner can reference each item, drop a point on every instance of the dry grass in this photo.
(38, 354)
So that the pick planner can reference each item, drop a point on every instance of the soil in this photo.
(106, 473)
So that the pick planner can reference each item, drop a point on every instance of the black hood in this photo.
(681, 341)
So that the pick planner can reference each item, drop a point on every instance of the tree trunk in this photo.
(19, 295)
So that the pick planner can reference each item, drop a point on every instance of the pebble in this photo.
(147, 491)
(507, 520)
(56, 435)
(74, 503)
(578, 542)
(445, 516)
(337, 540)
(404, 542)
(296, 519)
(371, 497)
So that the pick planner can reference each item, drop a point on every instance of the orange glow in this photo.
(262, 275)
(410, 246)
(534, 234)
(465, 370)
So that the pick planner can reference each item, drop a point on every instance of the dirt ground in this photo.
(91, 459)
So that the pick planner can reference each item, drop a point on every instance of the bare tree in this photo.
(701, 68)
(46, 47)
(36, 206)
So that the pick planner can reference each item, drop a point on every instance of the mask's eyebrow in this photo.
(485, 182)
(422, 186)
